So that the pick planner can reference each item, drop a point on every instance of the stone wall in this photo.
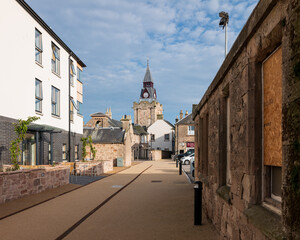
(95, 168)
(182, 138)
(156, 155)
(108, 151)
(239, 209)
(146, 113)
(20, 183)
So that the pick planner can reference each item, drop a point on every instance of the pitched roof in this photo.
(105, 135)
(139, 130)
(164, 121)
(115, 123)
(148, 77)
(186, 120)
(98, 114)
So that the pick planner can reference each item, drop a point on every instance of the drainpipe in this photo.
(69, 150)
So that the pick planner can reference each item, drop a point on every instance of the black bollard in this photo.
(177, 162)
(180, 167)
(198, 203)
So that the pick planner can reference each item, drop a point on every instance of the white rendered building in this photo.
(41, 77)
(161, 134)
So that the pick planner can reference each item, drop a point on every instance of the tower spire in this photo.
(147, 62)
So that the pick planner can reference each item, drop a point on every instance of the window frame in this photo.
(79, 104)
(55, 60)
(168, 138)
(55, 102)
(76, 151)
(64, 151)
(191, 132)
(71, 110)
(38, 49)
(72, 73)
(152, 137)
(39, 98)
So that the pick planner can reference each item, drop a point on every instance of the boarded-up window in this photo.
(272, 99)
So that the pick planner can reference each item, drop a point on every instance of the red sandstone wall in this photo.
(20, 183)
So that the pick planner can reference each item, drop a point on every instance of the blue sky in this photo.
(113, 38)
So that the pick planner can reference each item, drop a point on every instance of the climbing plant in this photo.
(20, 128)
(84, 143)
(93, 149)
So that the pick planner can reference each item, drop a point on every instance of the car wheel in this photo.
(186, 162)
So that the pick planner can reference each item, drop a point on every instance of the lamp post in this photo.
(223, 23)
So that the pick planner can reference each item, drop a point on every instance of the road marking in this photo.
(72, 228)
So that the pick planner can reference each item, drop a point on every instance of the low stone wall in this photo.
(24, 182)
(156, 155)
(95, 168)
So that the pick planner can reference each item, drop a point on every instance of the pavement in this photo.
(146, 201)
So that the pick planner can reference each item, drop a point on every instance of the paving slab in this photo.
(157, 204)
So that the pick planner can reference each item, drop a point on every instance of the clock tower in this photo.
(147, 110)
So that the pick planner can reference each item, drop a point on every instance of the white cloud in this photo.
(113, 37)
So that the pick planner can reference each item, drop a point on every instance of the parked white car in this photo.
(186, 160)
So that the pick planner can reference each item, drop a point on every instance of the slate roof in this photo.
(105, 135)
(139, 130)
(186, 120)
(98, 114)
(164, 121)
(148, 77)
(115, 123)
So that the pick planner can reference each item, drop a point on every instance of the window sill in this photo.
(56, 74)
(39, 113)
(272, 205)
(266, 221)
(39, 64)
(224, 192)
(54, 116)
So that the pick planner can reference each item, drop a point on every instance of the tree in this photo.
(20, 128)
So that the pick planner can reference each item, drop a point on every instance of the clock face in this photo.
(145, 95)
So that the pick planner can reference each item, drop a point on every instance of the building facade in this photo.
(247, 130)
(41, 77)
(147, 110)
(161, 134)
(184, 134)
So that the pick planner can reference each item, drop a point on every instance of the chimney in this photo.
(126, 121)
(110, 113)
(176, 119)
(186, 113)
(181, 114)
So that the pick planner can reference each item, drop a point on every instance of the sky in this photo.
(114, 38)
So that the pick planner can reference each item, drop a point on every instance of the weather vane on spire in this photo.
(147, 62)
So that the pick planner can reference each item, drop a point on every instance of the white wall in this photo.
(159, 129)
(19, 70)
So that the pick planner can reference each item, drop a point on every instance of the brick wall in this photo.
(20, 183)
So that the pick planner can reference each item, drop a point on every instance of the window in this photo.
(55, 99)
(153, 137)
(167, 137)
(272, 128)
(143, 139)
(228, 172)
(49, 152)
(191, 130)
(71, 110)
(55, 61)
(38, 95)
(64, 151)
(38, 46)
(76, 152)
(79, 105)
(79, 74)
(72, 73)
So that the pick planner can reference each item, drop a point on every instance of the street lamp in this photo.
(223, 23)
